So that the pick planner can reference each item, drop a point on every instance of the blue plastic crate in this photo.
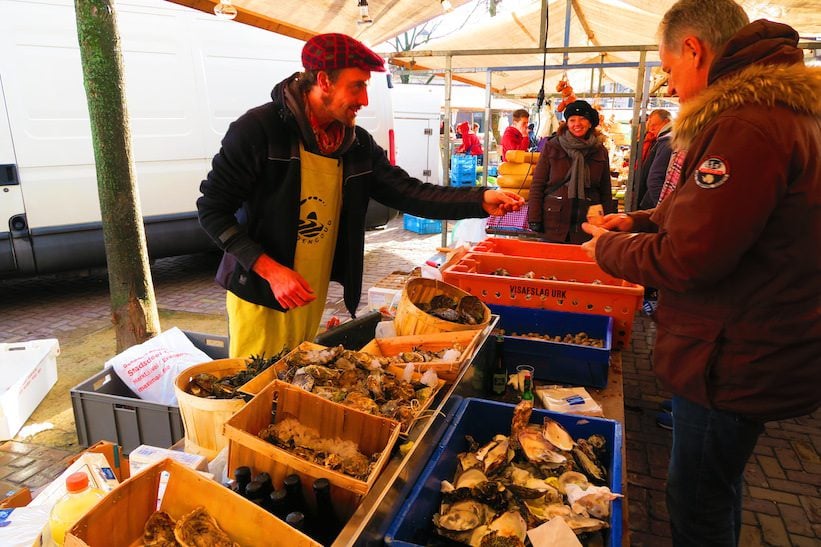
(554, 361)
(421, 225)
(482, 419)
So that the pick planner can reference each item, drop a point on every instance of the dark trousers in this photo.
(704, 481)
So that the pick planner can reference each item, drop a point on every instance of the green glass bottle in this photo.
(527, 391)
(499, 383)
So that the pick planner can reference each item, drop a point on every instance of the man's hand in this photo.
(616, 221)
(590, 246)
(498, 203)
(290, 289)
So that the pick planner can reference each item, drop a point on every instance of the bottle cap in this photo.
(76, 482)
(279, 496)
(295, 519)
(321, 485)
(242, 473)
(292, 480)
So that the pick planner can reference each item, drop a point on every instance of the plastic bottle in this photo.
(71, 507)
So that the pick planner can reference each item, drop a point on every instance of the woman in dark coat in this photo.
(573, 173)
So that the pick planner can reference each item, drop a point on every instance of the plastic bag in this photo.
(149, 369)
(469, 230)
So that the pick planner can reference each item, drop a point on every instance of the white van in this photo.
(188, 75)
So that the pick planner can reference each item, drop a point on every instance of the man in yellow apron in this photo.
(287, 195)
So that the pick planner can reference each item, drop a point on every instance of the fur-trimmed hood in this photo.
(774, 73)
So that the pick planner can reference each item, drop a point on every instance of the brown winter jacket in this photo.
(559, 215)
(736, 254)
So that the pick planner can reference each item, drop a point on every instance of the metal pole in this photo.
(446, 143)
(630, 199)
(567, 14)
(543, 25)
(486, 156)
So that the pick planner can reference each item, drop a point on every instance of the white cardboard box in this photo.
(94, 465)
(28, 370)
(380, 299)
(145, 456)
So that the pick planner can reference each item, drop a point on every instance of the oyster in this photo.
(557, 435)
(470, 478)
(572, 477)
(536, 448)
(521, 417)
(319, 372)
(471, 310)
(314, 357)
(198, 528)
(546, 511)
(494, 454)
(304, 381)
(462, 516)
(510, 524)
(448, 314)
(159, 531)
(585, 456)
(468, 460)
(361, 402)
(442, 301)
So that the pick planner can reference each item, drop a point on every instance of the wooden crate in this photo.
(203, 418)
(370, 433)
(119, 519)
(446, 370)
(256, 385)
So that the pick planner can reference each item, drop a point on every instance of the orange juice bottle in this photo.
(71, 507)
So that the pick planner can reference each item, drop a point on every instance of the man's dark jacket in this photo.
(250, 199)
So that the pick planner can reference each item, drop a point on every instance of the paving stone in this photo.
(750, 536)
(647, 482)
(774, 495)
(793, 487)
(16, 447)
(795, 520)
(21, 461)
(766, 507)
(812, 505)
(754, 475)
(788, 458)
(21, 476)
(771, 467)
(806, 452)
(803, 541)
(804, 478)
(748, 518)
(660, 528)
(772, 528)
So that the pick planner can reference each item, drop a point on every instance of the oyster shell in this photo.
(442, 301)
(471, 310)
(585, 456)
(462, 516)
(557, 435)
(536, 448)
(510, 523)
(571, 477)
(470, 478)
(199, 528)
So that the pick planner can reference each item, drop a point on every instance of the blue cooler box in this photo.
(482, 419)
(553, 361)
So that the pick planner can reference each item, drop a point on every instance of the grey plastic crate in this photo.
(105, 409)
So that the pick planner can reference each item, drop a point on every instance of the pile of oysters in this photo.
(467, 310)
(518, 482)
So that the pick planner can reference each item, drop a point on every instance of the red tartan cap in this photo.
(333, 51)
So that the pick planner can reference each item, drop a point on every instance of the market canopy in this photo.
(593, 23)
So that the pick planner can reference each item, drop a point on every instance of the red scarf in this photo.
(328, 138)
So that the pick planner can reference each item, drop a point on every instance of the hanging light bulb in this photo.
(225, 11)
(446, 6)
(364, 16)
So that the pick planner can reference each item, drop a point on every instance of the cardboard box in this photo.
(100, 475)
(380, 299)
(120, 518)
(28, 370)
(144, 456)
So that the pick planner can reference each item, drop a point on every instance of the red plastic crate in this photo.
(532, 249)
(581, 287)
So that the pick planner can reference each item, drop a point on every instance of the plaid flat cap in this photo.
(333, 51)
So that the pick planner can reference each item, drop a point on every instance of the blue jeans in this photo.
(704, 481)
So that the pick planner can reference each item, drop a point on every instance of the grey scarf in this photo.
(577, 149)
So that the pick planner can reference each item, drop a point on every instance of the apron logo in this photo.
(311, 227)
(712, 173)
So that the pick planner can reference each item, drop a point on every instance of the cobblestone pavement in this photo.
(782, 504)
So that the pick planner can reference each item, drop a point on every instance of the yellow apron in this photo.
(254, 329)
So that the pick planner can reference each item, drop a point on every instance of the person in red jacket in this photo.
(470, 141)
(730, 250)
(515, 136)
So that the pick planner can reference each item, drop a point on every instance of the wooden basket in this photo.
(412, 320)
(371, 434)
(256, 385)
(446, 370)
(119, 519)
(203, 419)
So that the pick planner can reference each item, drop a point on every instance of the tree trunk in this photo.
(495, 115)
(133, 307)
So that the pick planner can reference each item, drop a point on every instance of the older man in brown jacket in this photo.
(734, 252)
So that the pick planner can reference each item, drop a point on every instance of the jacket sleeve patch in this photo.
(712, 173)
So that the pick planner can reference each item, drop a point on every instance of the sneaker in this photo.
(665, 420)
(666, 405)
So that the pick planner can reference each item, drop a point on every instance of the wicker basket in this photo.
(204, 419)
(412, 320)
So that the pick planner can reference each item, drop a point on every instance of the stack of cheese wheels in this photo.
(516, 173)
